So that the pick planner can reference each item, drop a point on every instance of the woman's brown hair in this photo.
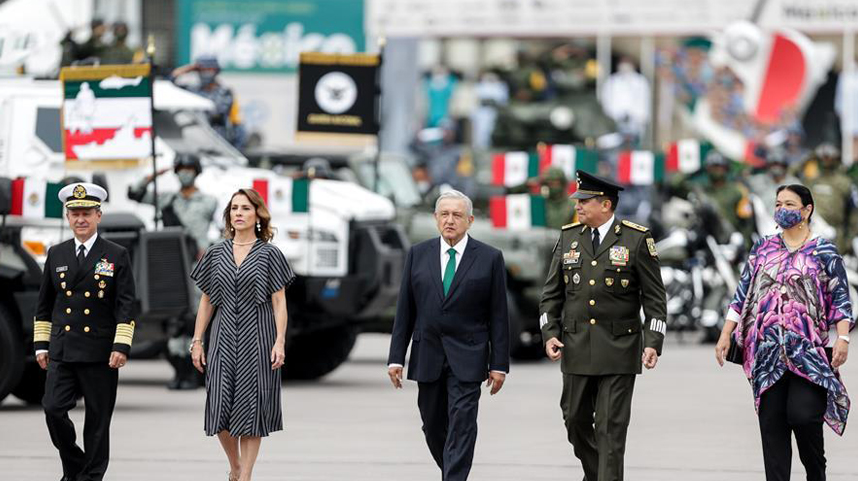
(265, 231)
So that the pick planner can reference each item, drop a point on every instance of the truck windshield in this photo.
(395, 181)
(187, 132)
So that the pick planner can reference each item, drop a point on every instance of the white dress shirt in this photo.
(87, 247)
(445, 258)
(604, 229)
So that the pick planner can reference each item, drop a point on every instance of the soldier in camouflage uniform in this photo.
(602, 272)
(194, 211)
(833, 191)
(558, 207)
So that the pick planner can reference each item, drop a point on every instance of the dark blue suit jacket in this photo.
(469, 327)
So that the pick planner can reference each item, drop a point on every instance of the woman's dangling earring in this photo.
(258, 226)
(231, 229)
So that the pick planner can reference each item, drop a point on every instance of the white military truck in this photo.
(347, 251)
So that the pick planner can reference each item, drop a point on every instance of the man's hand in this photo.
(395, 373)
(42, 359)
(495, 380)
(649, 358)
(552, 349)
(840, 353)
(117, 359)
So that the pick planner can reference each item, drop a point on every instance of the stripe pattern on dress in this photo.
(243, 392)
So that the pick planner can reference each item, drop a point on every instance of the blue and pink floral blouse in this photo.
(785, 304)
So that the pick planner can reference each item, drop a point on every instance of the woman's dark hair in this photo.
(803, 193)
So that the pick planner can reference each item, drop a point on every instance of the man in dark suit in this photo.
(603, 272)
(453, 309)
(82, 332)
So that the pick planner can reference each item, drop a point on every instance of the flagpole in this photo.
(150, 53)
(377, 174)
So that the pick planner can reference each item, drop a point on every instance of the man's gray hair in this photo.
(455, 194)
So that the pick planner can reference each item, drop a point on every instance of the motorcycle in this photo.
(698, 257)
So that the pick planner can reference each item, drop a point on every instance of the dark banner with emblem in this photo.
(338, 94)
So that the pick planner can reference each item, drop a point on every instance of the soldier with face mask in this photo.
(729, 195)
(193, 210)
(765, 184)
(188, 208)
(835, 194)
(225, 118)
(555, 188)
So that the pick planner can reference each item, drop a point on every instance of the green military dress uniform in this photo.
(591, 303)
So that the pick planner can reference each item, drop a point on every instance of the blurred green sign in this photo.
(267, 35)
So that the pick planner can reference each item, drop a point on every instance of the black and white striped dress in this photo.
(243, 393)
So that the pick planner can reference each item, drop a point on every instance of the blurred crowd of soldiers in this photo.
(729, 185)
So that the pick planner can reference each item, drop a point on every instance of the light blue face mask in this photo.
(186, 178)
(787, 218)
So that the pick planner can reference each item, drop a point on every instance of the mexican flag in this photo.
(640, 167)
(284, 195)
(512, 169)
(107, 112)
(569, 159)
(36, 199)
(686, 156)
(517, 211)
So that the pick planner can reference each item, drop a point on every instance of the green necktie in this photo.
(450, 270)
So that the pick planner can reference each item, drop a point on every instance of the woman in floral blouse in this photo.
(793, 290)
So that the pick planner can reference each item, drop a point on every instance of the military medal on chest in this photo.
(619, 255)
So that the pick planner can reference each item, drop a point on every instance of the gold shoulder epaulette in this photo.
(569, 226)
(635, 226)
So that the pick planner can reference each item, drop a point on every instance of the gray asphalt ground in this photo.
(691, 421)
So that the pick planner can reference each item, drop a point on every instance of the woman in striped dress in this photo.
(243, 280)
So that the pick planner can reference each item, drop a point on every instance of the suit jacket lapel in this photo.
(435, 269)
(464, 265)
(609, 239)
(93, 256)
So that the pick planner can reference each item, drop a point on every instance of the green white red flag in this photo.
(512, 169)
(517, 211)
(640, 167)
(284, 194)
(36, 199)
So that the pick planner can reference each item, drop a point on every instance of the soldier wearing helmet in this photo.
(193, 210)
(225, 118)
(555, 188)
(833, 190)
(728, 194)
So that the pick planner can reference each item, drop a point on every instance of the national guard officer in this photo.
(602, 271)
(82, 332)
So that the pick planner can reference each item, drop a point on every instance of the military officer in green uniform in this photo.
(602, 272)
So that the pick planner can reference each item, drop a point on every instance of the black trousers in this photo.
(793, 405)
(597, 411)
(97, 382)
(448, 408)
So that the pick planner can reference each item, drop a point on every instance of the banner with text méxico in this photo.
(265, 36)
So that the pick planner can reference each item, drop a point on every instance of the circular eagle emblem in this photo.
(79, 192)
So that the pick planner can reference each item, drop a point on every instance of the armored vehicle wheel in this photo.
(32, 385)
(11, 354)
(316, 353)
